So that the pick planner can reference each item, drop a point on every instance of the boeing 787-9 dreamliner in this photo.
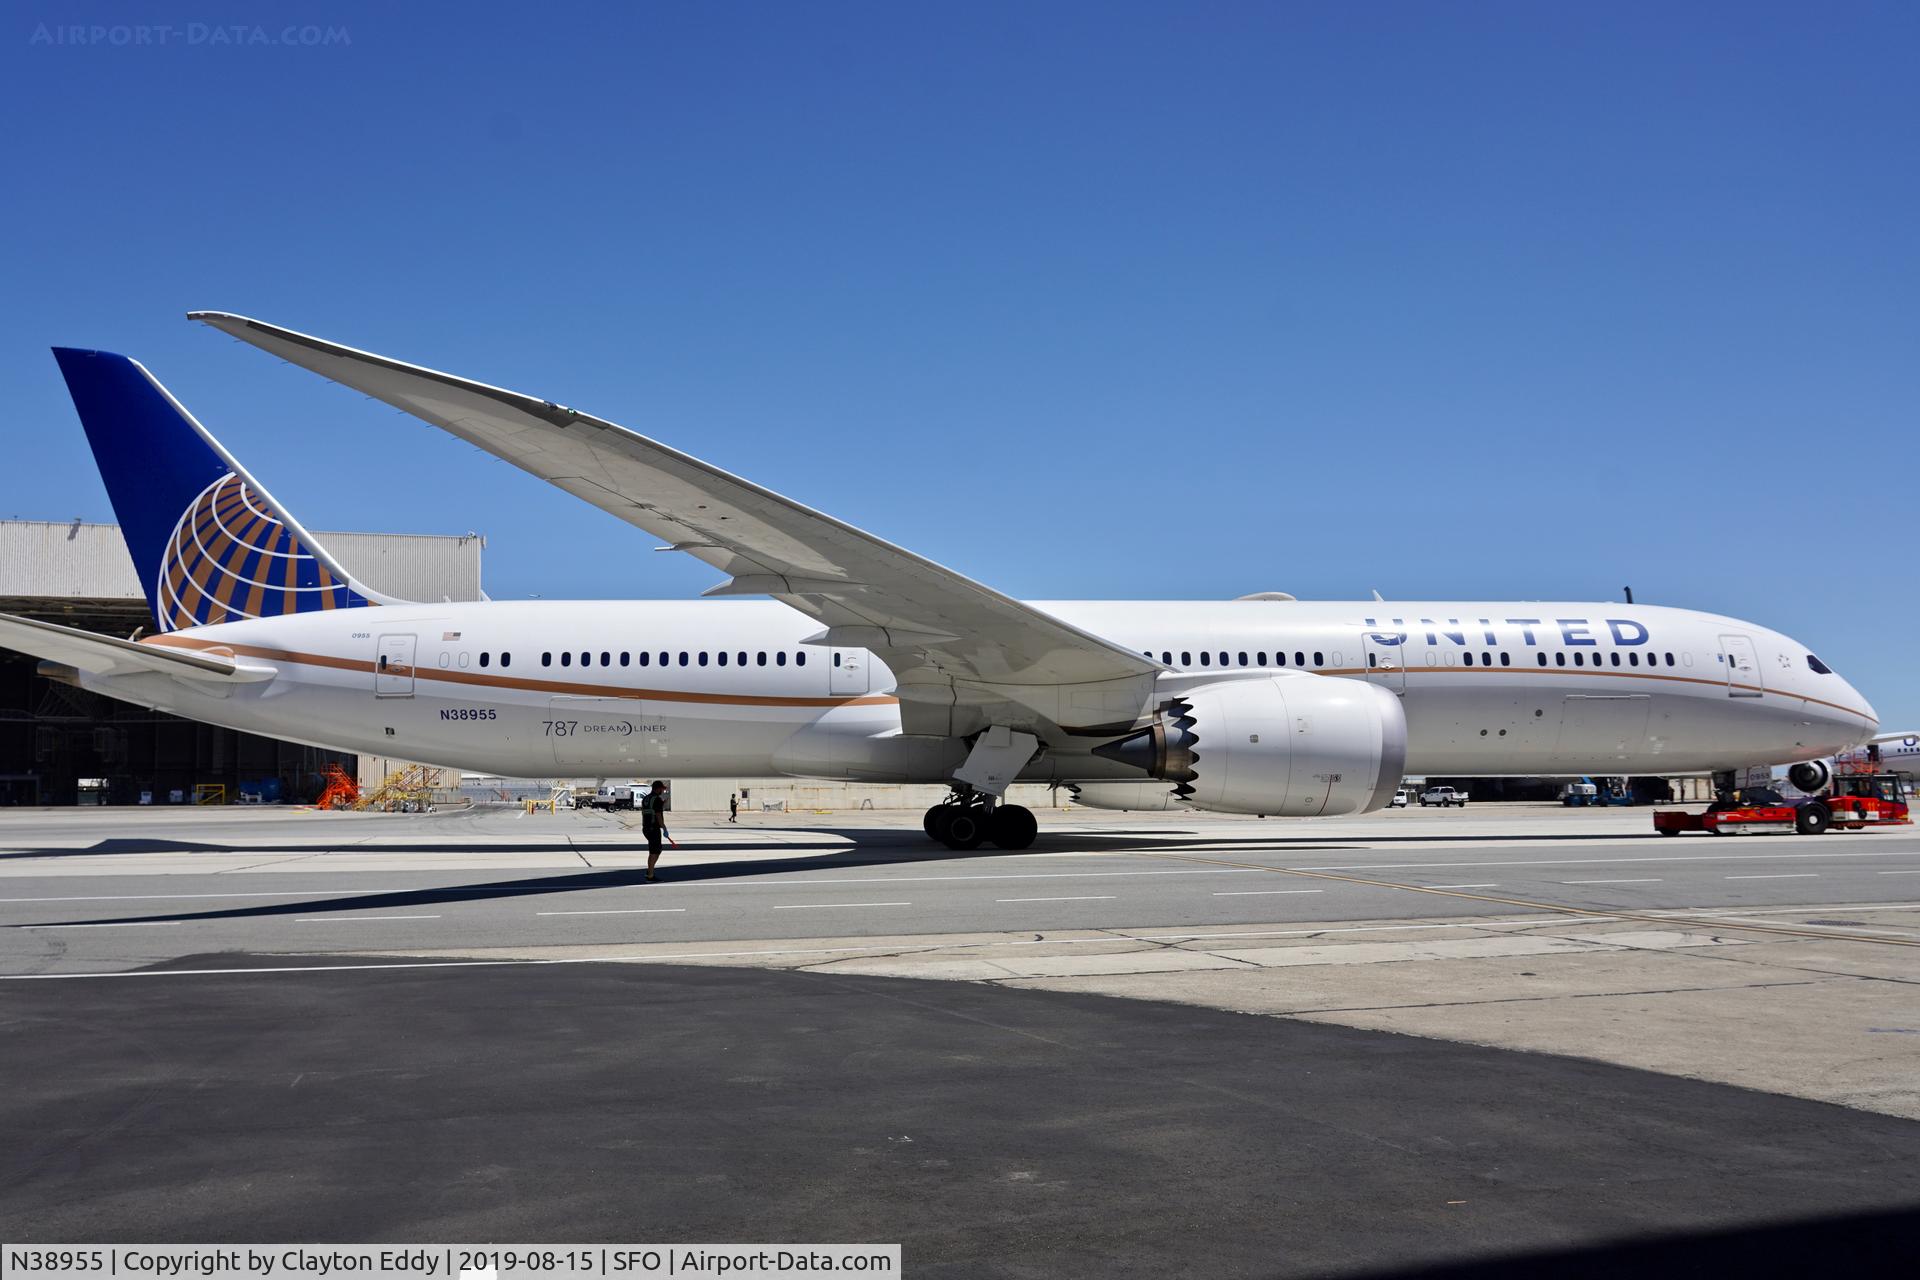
(852, 658)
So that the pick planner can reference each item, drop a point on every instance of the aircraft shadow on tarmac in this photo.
(1119, 840)
(869, 848)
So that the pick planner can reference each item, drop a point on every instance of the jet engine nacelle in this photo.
(1811, 776)
(1296, 745)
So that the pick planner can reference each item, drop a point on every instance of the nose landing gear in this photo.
(972, 818)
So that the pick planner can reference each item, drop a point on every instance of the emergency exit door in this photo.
(1743, 667)
(847, 672)
(393, 667)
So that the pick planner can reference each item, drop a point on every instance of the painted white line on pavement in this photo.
(1097, 897)
(1490, 885)
(822, 906)
(617, 911)
(1654, 880)
(114, 924)
(1588, 862)
(355, 919)
(1261, 893)
(1798, 875)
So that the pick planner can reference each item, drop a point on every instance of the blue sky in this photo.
(1086, 300)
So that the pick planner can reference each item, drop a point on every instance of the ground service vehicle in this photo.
(1444, 797)
(1855, 802)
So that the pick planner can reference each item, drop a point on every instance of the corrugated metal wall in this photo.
(66, 561)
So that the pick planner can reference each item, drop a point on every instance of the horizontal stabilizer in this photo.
(105, 656)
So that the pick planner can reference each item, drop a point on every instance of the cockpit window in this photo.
(1819, 666)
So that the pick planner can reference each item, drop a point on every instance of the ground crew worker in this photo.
(653, 821)
(733, 807)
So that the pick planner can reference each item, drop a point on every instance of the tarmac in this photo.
(1505, 1038)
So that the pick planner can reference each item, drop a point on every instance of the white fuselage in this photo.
(727, 688)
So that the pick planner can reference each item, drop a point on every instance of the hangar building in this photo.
(62, 745)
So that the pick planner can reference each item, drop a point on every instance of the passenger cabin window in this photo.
(506, 659)
(799, 659)
(780, 659)
(1186, 659)
(1205, 658)
(546, 659)
(1299, 658)
(1559, 659)
(626, 658)
(741, 658)
(566, 658)
(1243, 657)
(606, 658)
(1319, 659)
(683, 657)
(703, 657)
(1261, 657)
(1505, 661)
(723, 657)
(1166, 659)
(483, 657)
(644, 657)
(1542, 657)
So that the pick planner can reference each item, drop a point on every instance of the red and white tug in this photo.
(1853, 802)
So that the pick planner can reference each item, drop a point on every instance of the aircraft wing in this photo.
(938, 630)
(107, 656)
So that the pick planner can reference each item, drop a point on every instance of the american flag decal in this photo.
(449, 635)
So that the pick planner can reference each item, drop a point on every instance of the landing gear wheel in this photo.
(936, 818)
(965, 829)
(1813, 819)
(1012, 826)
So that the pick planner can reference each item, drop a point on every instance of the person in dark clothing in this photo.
(733, 807)
(653, 821)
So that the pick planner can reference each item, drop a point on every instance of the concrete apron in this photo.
(1802, 1001)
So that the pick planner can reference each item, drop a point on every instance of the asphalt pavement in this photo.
(991, 1132)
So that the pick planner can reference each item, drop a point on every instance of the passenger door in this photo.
(393, 667)
(1386, 663)
(847, 673)
(1743, 667)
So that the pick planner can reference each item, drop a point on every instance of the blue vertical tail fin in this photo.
(209, 543)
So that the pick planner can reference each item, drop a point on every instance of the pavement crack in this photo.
(1541, 999)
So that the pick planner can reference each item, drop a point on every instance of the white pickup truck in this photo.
(1445, 797)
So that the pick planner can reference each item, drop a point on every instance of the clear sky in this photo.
(1083, 299)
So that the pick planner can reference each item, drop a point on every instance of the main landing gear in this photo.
(971, 818)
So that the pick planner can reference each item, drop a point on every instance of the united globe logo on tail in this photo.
(230, 558)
